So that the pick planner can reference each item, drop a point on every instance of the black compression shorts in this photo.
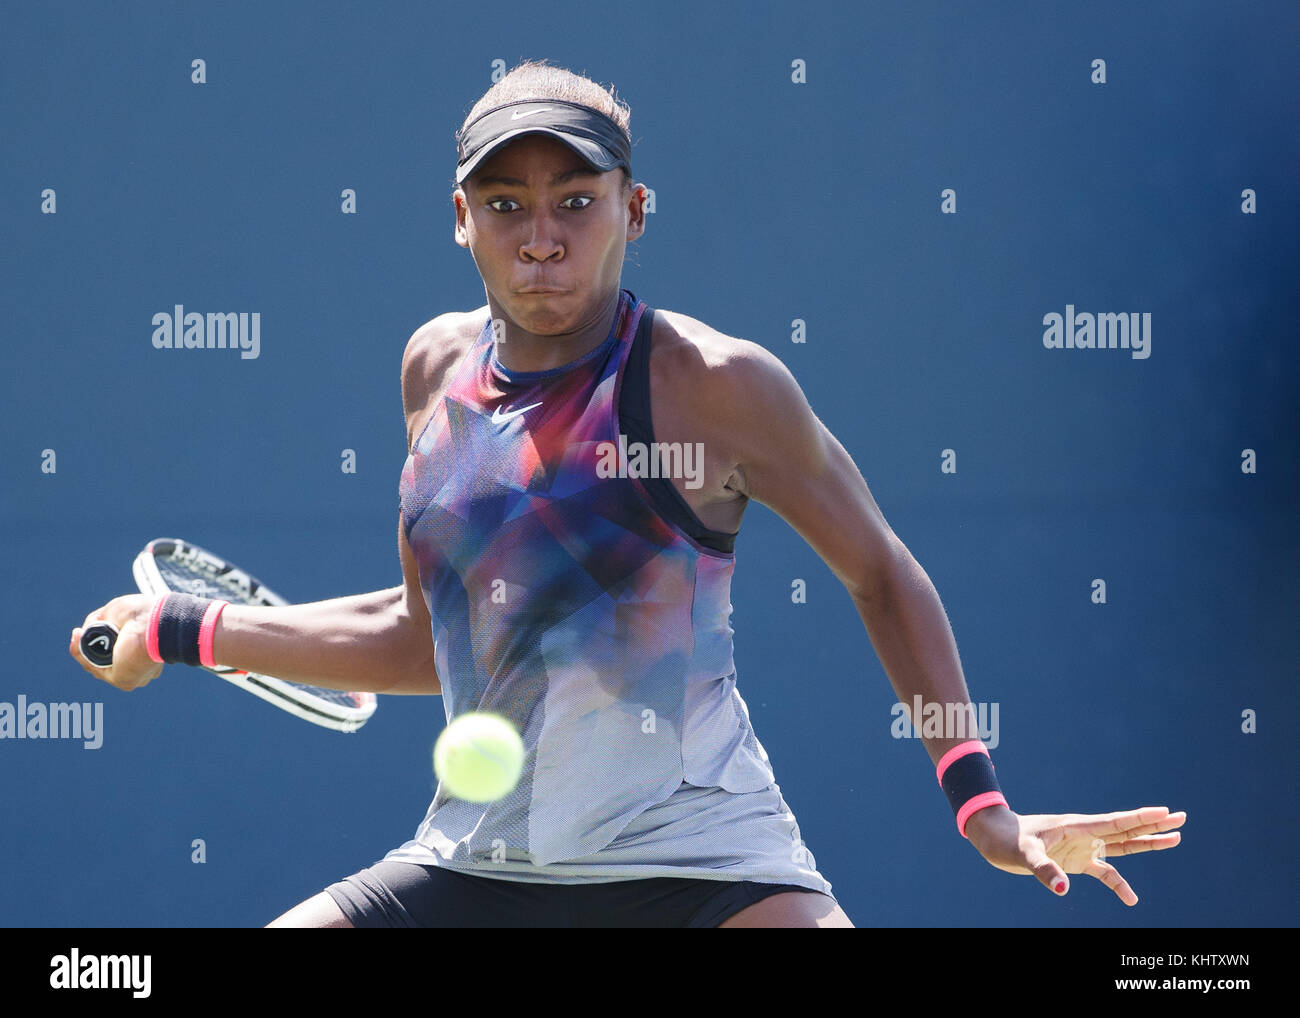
(400, 894)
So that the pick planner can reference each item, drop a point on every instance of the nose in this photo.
(543, 241)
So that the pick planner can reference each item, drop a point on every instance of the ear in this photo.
(460, 234)
(636, 196)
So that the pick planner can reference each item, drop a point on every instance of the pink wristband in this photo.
(956, 753)
(208, 629)
(979, 802)
(151, 633)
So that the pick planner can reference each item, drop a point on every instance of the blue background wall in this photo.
(775, 201)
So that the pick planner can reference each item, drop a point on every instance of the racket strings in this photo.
(191, 578)
(228, 584)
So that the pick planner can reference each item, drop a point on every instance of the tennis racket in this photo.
(167, 566)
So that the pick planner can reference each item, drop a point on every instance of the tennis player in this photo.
(579, 466)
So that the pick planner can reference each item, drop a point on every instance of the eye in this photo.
(579, 197)
(500, 201)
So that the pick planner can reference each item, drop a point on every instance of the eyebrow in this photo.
(559, 178)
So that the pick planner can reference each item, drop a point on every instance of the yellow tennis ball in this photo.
(479, 757)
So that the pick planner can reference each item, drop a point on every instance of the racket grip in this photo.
(97, 641)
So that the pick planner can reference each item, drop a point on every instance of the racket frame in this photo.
(288, 696)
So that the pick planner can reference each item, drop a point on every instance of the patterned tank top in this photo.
(563, 599)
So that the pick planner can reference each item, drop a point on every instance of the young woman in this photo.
(579, 466)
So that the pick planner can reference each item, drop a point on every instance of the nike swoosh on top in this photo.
(516, 115)
(498, 417)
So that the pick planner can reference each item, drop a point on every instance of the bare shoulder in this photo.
(697, 346)
(441, 339)
(433, 350)
(737, 378)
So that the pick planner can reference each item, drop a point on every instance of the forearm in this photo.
(362, 643)
(914, 641)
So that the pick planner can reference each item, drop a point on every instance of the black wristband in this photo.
(967, 777)
(179, 622)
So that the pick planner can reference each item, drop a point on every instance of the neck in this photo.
(520, 350)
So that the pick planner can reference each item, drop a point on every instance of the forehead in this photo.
(534, 160)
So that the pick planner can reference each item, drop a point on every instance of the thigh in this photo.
(318, 912)
(791, 909)
(393, 894)
(409, 896)
(415, 896)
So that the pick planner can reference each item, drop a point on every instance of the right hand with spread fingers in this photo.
(132, 666)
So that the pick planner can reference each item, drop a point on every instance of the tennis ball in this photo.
(479, 757)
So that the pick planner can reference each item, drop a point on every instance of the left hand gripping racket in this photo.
(167, 565)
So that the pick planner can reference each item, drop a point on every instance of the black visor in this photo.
(595, 137)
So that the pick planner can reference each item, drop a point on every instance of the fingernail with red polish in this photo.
(1059, 887)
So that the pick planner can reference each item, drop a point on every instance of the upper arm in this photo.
(430, 353)
(425, 676)
(424, 362)
(417, 374)
(791, 463)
